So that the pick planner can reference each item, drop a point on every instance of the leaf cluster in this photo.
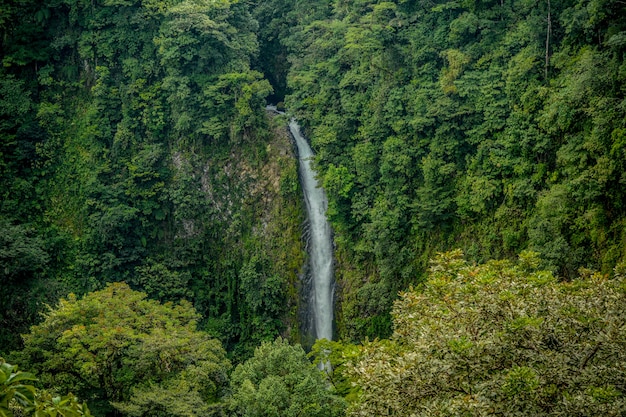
(19, 397)
(115, 347)
(500, 338)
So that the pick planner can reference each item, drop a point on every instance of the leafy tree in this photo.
(264, 300)
(279, 380)
(336, 357)
(21, 251)
(117, 348)
(23, 257)
(49, 405)
(18, 397)
(14, 388)
(502, 338)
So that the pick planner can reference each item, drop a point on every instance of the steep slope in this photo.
(136, 147)
(489, 126)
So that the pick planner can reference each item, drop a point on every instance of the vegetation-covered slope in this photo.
(492, 126)
(136, 147)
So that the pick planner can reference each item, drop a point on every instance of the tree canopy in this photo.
(116, 348)
(502, 338)
(280, 381)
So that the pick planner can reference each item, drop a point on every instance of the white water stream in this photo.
(320, 244)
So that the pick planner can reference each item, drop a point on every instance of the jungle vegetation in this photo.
(149, 203)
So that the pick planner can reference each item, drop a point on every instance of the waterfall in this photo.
(320, 245)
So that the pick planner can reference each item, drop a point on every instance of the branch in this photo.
(590, 355)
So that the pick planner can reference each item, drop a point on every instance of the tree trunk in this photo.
(548, 33)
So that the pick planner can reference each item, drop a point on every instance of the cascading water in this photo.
(320, 245)
(320, 291)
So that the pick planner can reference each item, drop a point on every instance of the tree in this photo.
(47, 404)
(117, 348)
(280, 381)
(503, 338)
(21, 251)
(18, 396)
(14, 388)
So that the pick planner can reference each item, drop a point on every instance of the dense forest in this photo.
(153, 234)
(492, 127)
(136, 149)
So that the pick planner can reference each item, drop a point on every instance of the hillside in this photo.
(136, 148)
(138, 161)
(493, 127)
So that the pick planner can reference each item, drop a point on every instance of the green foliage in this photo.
(499, 338)
(134, 147)
(117, 348)
(14, 388)
(279, 380)
(263, 295)
(162, 283)
(49, 405)
(335, 358)
(24, 256)
(133, 143)
(18, 398)
(463, 124)
(21, 251)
